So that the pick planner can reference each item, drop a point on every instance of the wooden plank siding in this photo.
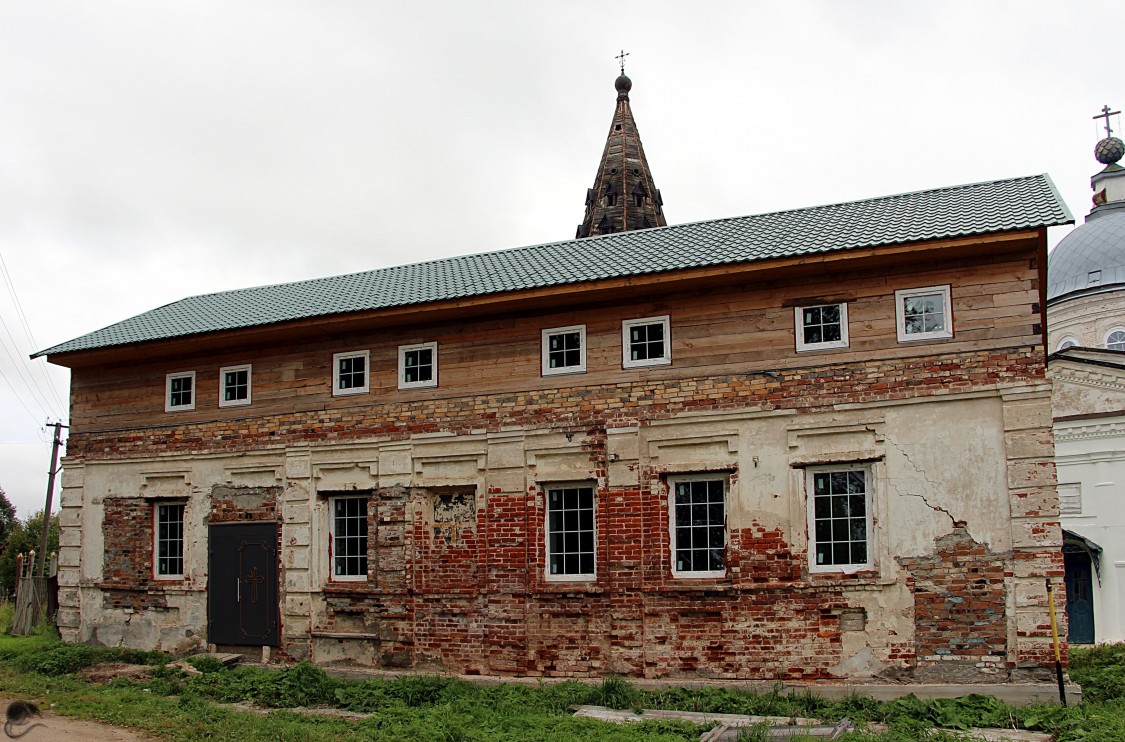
(742, 326)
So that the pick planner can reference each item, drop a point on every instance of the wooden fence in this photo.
(33, 593)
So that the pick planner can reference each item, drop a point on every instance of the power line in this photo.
(17, 396)
(31, 339)
(36, 393)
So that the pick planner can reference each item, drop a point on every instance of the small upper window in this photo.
(924, 314)
(1115, 340)
(169, 541)
(417, 365)
(564, 350)
(822, 326)
(234, 386)
(699, 526)
(1067, 342)
(179, 391)
(646, 342)
(349, 373)
(839, 513)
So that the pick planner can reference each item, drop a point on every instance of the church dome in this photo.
(1089, 259)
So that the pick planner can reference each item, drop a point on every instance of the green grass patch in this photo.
(177, 706)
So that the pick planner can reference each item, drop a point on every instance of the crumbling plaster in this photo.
(935, 464)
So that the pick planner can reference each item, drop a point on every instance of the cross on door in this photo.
(253, 578)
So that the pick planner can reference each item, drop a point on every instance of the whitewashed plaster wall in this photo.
(1090, 461)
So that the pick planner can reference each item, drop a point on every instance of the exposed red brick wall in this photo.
(127, 567)
(960, 608)
(468, 593)
(243, 503)
(612, 405)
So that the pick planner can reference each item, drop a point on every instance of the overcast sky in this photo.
(154, 150)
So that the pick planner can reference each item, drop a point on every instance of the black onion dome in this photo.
(1109, 150)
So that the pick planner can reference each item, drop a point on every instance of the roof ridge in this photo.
(618, 235)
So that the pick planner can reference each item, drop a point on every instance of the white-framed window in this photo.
(168, 540)
(348, 547)
(564, 350)
(839, 518)
(1067, 342)
(924, 314)
(821, 326)
(350, 373)
(417, 365)
(1115, 339)
(571, 532)
(646, 342)
(179, 391)
(697, 511)
(234, 385)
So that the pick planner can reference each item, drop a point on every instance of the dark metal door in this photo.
(242, 591)
(1079, 598)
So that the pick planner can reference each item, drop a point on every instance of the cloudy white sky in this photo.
(152, 150)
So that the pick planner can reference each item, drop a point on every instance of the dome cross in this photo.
(621, 58)
(1105, 114)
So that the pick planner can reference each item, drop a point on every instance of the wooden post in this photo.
(1055, 639)
(50, 494)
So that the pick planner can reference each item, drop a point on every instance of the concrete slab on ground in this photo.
(1017, 694)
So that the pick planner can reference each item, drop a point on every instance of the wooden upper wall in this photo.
(744, 324)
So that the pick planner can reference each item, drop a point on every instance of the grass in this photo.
(176, 706)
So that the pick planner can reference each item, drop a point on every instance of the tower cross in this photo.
(1105, 114)
(621, 58)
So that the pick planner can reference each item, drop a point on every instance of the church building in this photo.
(1086, 321)
(804, 445)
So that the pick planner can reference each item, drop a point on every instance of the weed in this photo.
(7, 612)
(618, 693)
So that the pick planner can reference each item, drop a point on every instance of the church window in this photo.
(570, 532)
(1115, 340)
(348, 545)
(169, 540)
(417, 365)
(822, 326)
(699, 525)
(611, 199)
(179, 391)
(645, 342)
(839, 518)
(234, 386)
(638, 199)
(923, 314)
(350, 373)
(1066, 342)
(564, 350)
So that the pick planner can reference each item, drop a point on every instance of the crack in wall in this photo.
(921, 473)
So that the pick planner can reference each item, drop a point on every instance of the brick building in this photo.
(807, 445)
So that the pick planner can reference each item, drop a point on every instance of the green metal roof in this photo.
(979, 208)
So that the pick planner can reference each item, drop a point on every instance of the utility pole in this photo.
(50, 495)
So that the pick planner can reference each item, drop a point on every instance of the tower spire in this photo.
(624, 196)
